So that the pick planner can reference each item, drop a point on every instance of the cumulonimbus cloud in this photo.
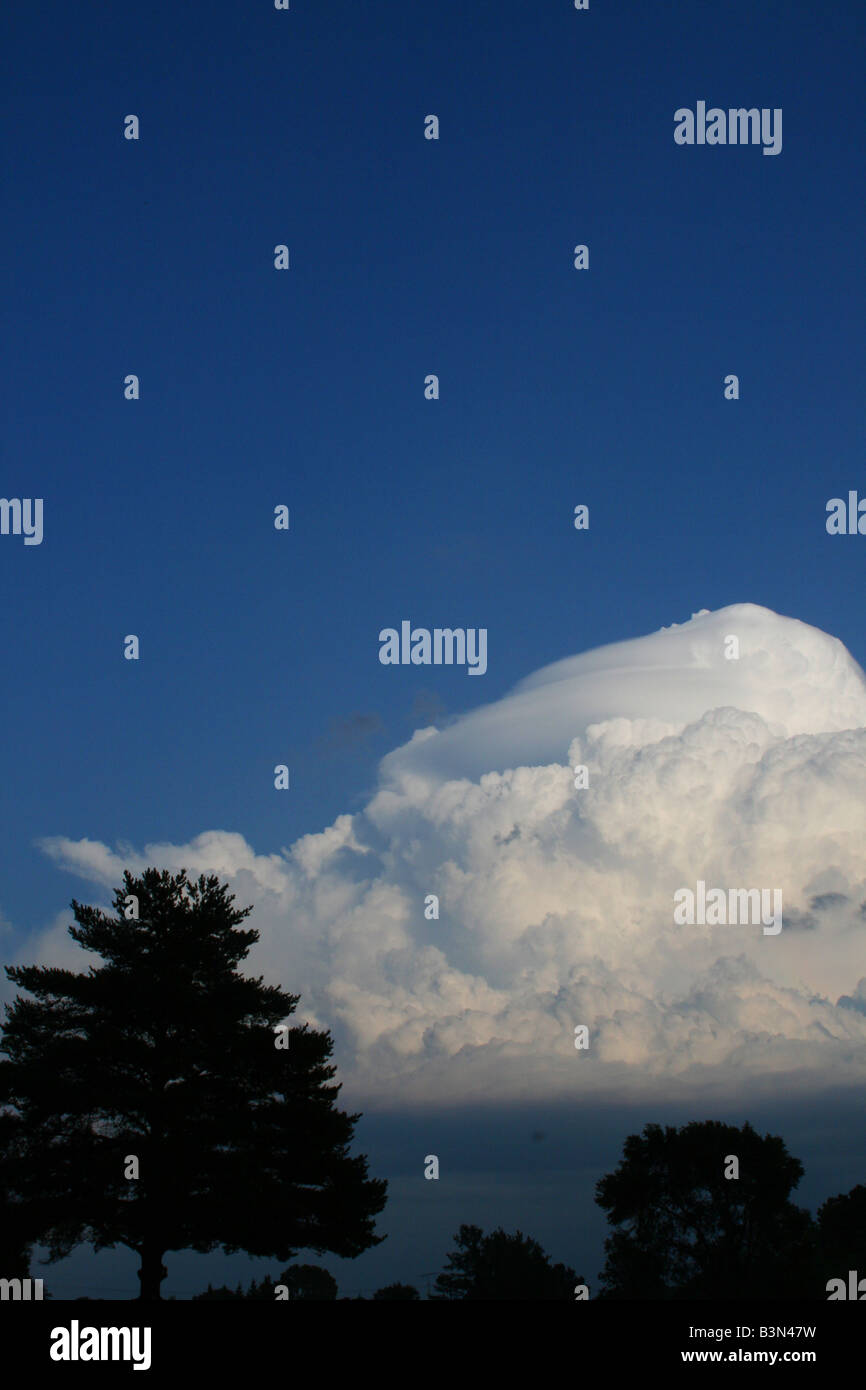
(556, 904)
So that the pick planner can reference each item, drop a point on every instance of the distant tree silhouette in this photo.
(221, 1293)
(304, 1283)
(167, 1053)
(687, 1231)
(15, 1250)
(310, 1283)
(402, 1291)
(502, 1266)
(841, 1237)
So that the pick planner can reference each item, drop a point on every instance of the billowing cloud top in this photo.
(556, 904)
(799, 680)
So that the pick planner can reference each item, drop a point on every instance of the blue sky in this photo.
(408, 257)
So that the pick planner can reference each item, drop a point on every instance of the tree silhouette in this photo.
(401, 1291)
(309, 1283)
(304, 1284)
(222, 1292)
(842, 1236)
(15, 1249)
(687, 1231)
(167, 1055)
(502, 1266)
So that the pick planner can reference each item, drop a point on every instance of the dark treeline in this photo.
(164, 1101)
(678, 1234)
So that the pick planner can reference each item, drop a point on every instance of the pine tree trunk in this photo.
(151, 1273)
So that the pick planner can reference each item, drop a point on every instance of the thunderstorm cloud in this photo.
(556, 904)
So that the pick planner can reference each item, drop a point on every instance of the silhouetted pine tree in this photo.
(167, 1053)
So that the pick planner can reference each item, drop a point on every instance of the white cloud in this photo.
(557, 904)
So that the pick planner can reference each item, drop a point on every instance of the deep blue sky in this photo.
(306, 387)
